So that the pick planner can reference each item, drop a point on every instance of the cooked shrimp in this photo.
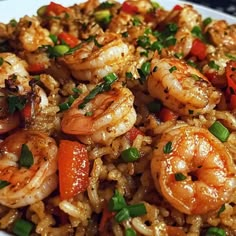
(197, 174)
(181, 87)
(187, 17)
(32, 35)
(111, 115)
(95, 59)
(13, 68)
(222, 34)
(27, 185)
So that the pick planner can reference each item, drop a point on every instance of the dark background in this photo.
(227, 6)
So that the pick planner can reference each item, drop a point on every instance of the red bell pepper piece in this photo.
(36, 68)
(133, 133)
(199, 49)
(177, 8)
(69, 39)
(128, 8)
(73, 166)
(56, 8)
(166, 114)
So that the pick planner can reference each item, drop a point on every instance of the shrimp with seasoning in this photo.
(222, 34)
(98, 57)
(181, 87)
(12, 67)
(107, 116)
(196, 174)
(27, 185)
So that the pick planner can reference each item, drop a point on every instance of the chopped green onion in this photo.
(13, 23)
(125, 34)
(130, 155)
(178, 55)
(41, 11)
(144, 71)
(221, 209)
(122, 215)
(192, 63)
(15, 103)
(130, 232)
(219, 131)
(207, 21)
(167, 148)
(196, 77)
(136, 21)
(105, 5)
(22, 227)
(173, 68)
(89, 113)
(60, 50)
(26, 157)
(197, 32)
(143, 41)
(180, 177)
(156, 46)
(117, 202)
(54, 38)
(172, 27)
(213, 65)
(170, 41)
(1, 61)
(64, 106)
(129, 75)
(103, 16)
(3, 183)
(137, 210)
(232, 57)
(105, 86)
(154, 106)
(110, 78)
(215, 231)
(155, 5)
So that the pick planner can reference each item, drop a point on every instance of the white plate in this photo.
(14, 9)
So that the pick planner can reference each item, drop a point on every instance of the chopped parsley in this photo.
(180, 177)
(167, 148)
(26, 157)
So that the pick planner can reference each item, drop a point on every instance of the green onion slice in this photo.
(117, 202)
(215, 231)
(137, 210)
(167, 148)
(3, 183)
(122, 215)
(22, 227)
(130, 232)
(219, 131)
(180, 177)
(154, 106)
(221, 209)
(130, 155)
(207, 21)
(26, 157)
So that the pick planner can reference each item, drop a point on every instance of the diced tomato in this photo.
(27, 111)
(69, 39)
(106, 216)
(231, 74)
(73, 166)
(166, 114)
(36, 68)
(128, 8)
(177, 8)
(232, 104)
(199, 49)
(133, 133)
(175, 231)
(56, 8)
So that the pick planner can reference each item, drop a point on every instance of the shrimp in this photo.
(95, 59)
(222, 34)
(187, 17)
(31, 34)
(13, 68)
(27, 185)
(111, 115)
(181, 87)
(196, 174)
